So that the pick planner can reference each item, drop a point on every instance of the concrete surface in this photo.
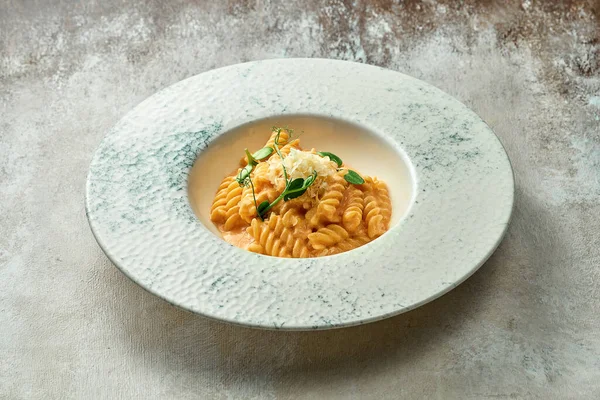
(527, 325)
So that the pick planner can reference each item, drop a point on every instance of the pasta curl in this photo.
(329, 217)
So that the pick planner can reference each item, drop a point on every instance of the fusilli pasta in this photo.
(330, 202)
(332, 216)
(353, 211)
(327, 236)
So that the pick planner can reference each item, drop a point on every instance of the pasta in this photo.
(247, 209)
(330, 202)
(218, 211)
(353, 210)
(377, 208)
(277, 237)
(226, 205)
(310, 204)
(327, 237)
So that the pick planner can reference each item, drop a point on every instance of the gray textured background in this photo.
(526, 325)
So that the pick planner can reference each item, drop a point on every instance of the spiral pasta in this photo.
(377, 208)
(266, 237)
(247, 208)
(353, 211)
(225, 204)
(285, 150)
(284, 137)
(385, 202)
(348, 244)
(330, 202)
(327, 236)
(332, 216)
(274, 238)
(217, 210)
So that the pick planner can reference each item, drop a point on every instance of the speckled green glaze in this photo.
(139, 211)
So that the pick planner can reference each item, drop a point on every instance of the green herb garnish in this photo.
(298, 186)
(351, 177)
(293, 187)
(295, 184)
(263, 153)
(276, 145)
(253, 160)
(332, 157)
(244, 174)
(354, 178)
(262, 207)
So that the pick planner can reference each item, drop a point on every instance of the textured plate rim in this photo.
(96, 227)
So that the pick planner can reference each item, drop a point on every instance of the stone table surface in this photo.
(526, 325)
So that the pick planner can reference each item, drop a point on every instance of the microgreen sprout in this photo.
(332, 157)
(293, 187)
(243, 178)
(351, 176)
(253, 160)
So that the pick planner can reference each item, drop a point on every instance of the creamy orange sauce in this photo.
(334, 213)
(237, 237)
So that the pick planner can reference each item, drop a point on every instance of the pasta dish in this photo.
(287, 202)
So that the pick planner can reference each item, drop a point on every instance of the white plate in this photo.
(449, 176)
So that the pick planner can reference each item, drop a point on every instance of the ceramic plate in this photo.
(450, 180)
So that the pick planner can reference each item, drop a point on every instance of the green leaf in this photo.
(332, 157)
(263, 153)
(244, 173)
(295, 184)
(294, 194)
(262, 207)
(251, 160)
(294, 189)
(354, 178)
(310, 180)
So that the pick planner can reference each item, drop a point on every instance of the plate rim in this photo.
(94, 224)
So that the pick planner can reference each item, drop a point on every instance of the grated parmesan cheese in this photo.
(300, 164)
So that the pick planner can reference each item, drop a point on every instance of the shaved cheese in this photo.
(300, 164)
